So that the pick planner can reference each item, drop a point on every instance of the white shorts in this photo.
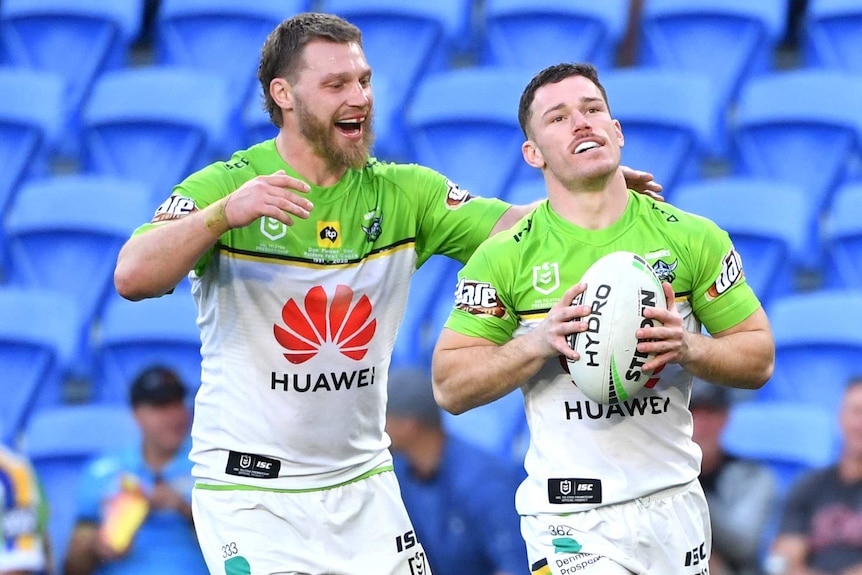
(353, 529)
(667, 532)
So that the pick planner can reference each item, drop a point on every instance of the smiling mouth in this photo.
(584, 146)
(350, 127)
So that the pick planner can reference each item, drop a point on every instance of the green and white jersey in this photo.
(584, 454)
(298, 322)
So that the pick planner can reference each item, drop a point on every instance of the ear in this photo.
(282, 93)
(532, 154)
(621, 140)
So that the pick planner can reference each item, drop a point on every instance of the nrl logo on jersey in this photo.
(272, 228)
(546, 277)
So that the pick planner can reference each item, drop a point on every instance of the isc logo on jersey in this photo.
(478, 298)
(174, 208)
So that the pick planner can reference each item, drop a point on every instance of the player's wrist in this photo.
(216, 217)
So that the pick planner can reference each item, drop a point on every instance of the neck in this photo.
(426, 452)
(305, 161)
(593, 204)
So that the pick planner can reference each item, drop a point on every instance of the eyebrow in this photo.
(561, 105)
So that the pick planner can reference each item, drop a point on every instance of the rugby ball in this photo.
(619, 286)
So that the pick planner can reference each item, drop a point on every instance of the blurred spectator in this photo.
(459, 496)
(741, 493)
(23, 518)
(821, 530)
(134, 512)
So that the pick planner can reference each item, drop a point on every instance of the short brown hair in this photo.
(552, 75)
(281, 54)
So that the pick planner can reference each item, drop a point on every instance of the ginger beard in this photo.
(324, 139)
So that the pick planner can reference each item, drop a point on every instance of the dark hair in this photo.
(281, 54)
(552, 75)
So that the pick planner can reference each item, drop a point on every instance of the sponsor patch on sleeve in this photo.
(478, 298)
(456, 197)
(730, 274)
(174, 208)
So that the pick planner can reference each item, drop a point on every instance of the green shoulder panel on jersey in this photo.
(369, 210)
(450, 220)
(720, 296)
(515, 277)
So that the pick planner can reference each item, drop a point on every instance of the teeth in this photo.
(586, 146)
(351, 121)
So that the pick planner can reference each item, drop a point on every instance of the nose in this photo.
(580, 122)
(360, 95)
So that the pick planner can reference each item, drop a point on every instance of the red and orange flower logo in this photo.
(339, 321)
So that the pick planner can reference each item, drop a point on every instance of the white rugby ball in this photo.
(619, 286)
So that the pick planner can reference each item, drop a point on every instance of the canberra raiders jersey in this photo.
(298, 322)
(584, 454)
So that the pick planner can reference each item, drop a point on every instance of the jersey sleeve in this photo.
(483, 302)
(451, 221)
(721, 297)
(200, 189)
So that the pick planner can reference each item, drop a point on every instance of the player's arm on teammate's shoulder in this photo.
(641, 182)
(742, 356)
(152, 263)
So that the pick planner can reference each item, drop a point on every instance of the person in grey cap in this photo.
(458, 495)
(742, 494)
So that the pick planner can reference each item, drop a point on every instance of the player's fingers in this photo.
(282, 180)
(292, 204)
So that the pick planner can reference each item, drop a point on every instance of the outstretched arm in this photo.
(153, 263)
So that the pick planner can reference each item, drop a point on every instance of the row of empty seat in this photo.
(151, 125)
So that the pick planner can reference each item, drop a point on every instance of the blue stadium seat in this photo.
(789, 437)
(526, 191)
(843, 238)
(534, 35)
(832, 34)
(433, 280)
(458, 130)
(403, 42)
(153, 125)
(818, 346)
(677, 109)
(785, 117)
(59, 443)
(771, 432)
(64, 234)
(220, 36)
(38, 338)
(136, 335)
(31, 115)
(733, 40)
(770, 233)
(76, 39)
(256, 124)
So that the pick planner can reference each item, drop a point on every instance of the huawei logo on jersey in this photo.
(323, 321)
